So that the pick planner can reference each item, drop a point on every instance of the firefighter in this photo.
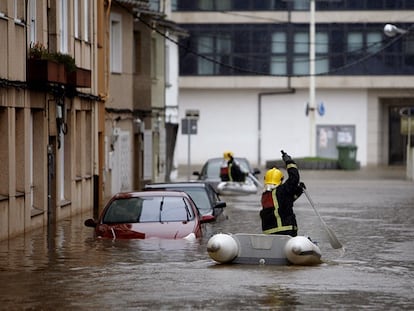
(230, 169)
(278, 198)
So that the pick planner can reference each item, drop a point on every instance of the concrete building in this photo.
(47, 112)
(83, 95)
(143, 82)
(246, 67)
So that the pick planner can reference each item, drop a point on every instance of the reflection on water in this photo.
(69, 269)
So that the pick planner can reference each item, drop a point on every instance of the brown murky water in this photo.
(66, 268)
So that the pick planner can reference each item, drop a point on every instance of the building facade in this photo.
(47, 112)
(83, 90)
(143, 81)
(263, 80)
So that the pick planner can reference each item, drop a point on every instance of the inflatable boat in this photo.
(237, 188)
(242, 248)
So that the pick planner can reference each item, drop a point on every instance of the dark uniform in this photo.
(232, 172)
(277, 204)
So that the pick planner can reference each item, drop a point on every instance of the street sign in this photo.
(188, 126)
(192, 114)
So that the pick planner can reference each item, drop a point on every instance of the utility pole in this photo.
(312, 105)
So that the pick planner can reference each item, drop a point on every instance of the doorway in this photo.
(397, 140)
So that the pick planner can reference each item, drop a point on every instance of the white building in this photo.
(246, 69)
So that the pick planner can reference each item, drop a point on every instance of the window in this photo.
(355, 42)
(301, 53)
(86, 20)
(63, 26)
(216, 50)
(205, 47)
(339, 49)
(374, 42)
(409, 45)
(116, 43)
(81, 19)
(76, 18)
(3, 8)
(32, 21)
(301, 5)
(19, 10)
(210, 5)
(321, 53)
(278, 64)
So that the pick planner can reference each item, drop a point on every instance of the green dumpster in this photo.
(347, 157)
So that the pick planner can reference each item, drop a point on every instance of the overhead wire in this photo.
(362, 59)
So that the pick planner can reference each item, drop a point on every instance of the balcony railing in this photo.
(43, 71)
(44, 68)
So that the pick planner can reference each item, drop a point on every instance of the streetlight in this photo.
(392, 30)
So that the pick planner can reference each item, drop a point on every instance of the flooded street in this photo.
(371, 213)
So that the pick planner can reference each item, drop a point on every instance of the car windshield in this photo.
(148, 209)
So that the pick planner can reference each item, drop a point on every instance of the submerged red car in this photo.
(149, 214)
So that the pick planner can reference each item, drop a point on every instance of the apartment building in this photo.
(141, 106)
(299, 75)
(82, 105)
(48, 105)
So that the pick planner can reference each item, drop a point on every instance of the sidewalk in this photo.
(366, 173)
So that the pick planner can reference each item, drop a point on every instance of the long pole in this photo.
(312, 79)
(331, 235)
(188, 148)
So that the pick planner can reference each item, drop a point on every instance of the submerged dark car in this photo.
(150, 214)
(203, 194)
(210, 172)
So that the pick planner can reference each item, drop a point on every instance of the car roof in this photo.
(184, 184)
(133, 194)
(221, 159)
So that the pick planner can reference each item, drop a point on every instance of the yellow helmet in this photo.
(227, 155)
(273, 177)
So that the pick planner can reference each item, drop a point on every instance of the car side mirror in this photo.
(196, 173)
(207, 218)
(256, 171)
(220, 204)
(90, 223)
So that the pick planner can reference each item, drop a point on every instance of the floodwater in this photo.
(372, 214)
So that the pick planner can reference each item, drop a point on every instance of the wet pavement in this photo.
(371, 212)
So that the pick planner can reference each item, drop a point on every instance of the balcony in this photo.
(45, 68)
(79, 78)
(42, 71)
